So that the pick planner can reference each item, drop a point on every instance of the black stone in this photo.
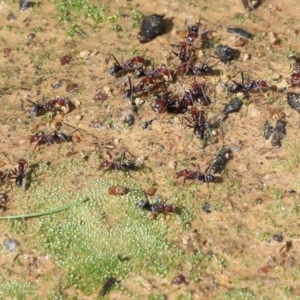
(225, 53)
(152, 26)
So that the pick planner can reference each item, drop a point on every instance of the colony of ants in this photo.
(190, 103)
(153, 78)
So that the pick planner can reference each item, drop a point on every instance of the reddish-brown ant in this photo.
(145, 82)
(189, 70)
(20, 172)
(155, 208)
(192, 70)
(37, 108)
(117, 165)
(41, 138)
(198, 93)
(166, 104)
(198, 121)
(125, 166)
(163, 70)
(193, 32)
(185, 52)
(247, 87)
(128, 64)
(195, 175)
(195, 94)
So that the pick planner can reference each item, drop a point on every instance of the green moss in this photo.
(69, 10)
(136, 17)
(15, 289)
(115, 27)
(238, 294)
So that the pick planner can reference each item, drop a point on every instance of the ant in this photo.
(247, 87)
(164, 103)
(20, 172)
(60, 136)
(193, 32)
(117, 67)
(195, 175)
(185, 52)
(125, 166)
(145, 82)
(190, 70)
(41, 138)
(155, 208)
(162, 70)
(196, 93)
(37, 108)
(199, 123)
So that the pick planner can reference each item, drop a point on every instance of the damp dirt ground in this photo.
(230, 252)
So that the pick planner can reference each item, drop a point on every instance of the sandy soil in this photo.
(257, 193)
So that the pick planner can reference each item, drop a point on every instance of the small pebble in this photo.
(31, 36)
(129, 120)
(293, 100)
(56, 85)
(251, 4)
(65, 60)
(278, 238)
(100, 96)
(246, 56)
(235, 148)
(179, 279)
(85, 53)
(6, 52)
(206, 208)
(225, 53)
(151, 191)
(24, 4)
(11, 17)
(240, 31)
(117, 190)
(11, 244)
(72, 87)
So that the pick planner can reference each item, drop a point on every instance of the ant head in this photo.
(139, 72)
(235, 88)
(194, 28)
(115, 69)
(207, 69)
(143, 204)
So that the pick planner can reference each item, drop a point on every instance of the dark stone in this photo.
(152, 26)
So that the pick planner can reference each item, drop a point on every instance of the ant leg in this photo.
(206, 125)
(242, 75)
(36, 144)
